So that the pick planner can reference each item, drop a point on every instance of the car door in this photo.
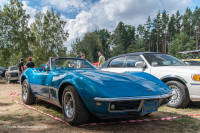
(40, 83)
(116, 65)
(125, 64)
(131, 64)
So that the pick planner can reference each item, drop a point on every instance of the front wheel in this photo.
(27, 96)
(74, 110)
(180, 98)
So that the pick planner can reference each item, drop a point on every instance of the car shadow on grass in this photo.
(183, 124)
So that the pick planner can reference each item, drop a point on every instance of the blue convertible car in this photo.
(80, 90)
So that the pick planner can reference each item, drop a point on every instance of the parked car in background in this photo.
(2, 71)
(182, 79)
(12, 74)
(192, 62)
(193, 57)
(82, 91)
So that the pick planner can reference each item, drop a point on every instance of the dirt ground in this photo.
(17, 118)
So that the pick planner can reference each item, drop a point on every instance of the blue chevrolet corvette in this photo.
(81, 90)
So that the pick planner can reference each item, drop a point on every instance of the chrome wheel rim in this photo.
(69, 104)
(24, 91)
(176, 95)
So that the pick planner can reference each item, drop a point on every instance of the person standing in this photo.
(30, 64)
(101, 59)
(21, 67)
(83, 56)
(80, 65)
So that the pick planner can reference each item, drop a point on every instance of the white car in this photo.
(12, 74)
(183, 79)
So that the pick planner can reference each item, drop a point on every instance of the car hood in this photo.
(14, 71)
(178, 69)
(125, 85)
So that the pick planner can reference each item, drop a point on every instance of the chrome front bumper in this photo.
(118, 99)
(141, 99)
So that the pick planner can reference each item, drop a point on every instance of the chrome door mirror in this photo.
(154, 64)
(140, 64)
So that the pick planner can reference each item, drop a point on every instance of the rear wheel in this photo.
(27, 96)
(180, 98)
(74, 110)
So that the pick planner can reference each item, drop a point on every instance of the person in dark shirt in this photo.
(21, 67)
(30, 64)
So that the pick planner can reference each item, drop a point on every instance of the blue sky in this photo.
(84, 16)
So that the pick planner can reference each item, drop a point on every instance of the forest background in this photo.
(45, 37)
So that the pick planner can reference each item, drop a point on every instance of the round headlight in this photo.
(196, 77)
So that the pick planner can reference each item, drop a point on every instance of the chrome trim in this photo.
(174, 76)
(195, 83)
(139, 108)
(132, 98)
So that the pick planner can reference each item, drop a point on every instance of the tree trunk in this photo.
(197, 36)
(165, 42)
(157, 43)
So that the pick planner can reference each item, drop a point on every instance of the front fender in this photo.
(87, 90)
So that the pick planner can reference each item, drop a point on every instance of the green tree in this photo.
(14, 31)
(104, 44)
(157, 25)
(122, 37)
(165, 19)
(182, 42)
(187, 22)
(171, 28)
(49, 36)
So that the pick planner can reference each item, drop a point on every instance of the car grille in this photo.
(124, 106)
(14, 74)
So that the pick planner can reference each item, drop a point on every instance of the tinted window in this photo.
(132, 60)
(118, 62)
(162, 60)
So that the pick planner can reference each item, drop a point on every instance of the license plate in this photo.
(150, 106)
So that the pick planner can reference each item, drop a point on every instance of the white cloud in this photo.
(108, 13)
(3, 2)
(29, 10)
(44, 9)
(67, 5)
(79, 26)
(105, 13)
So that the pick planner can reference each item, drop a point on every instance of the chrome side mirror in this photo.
(140, 64)
(154, 64)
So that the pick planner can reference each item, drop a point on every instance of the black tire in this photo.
(180, 99)
(27, 95)
(74, 110)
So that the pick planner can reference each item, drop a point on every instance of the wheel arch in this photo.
(61, 89)
(167, 78)
(22, 79)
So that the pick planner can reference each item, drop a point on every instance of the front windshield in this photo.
(70, 63)
(163, 60)
(13, 68)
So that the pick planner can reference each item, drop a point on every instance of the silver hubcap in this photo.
(176, 95)
(25, 91)
(69, 105)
